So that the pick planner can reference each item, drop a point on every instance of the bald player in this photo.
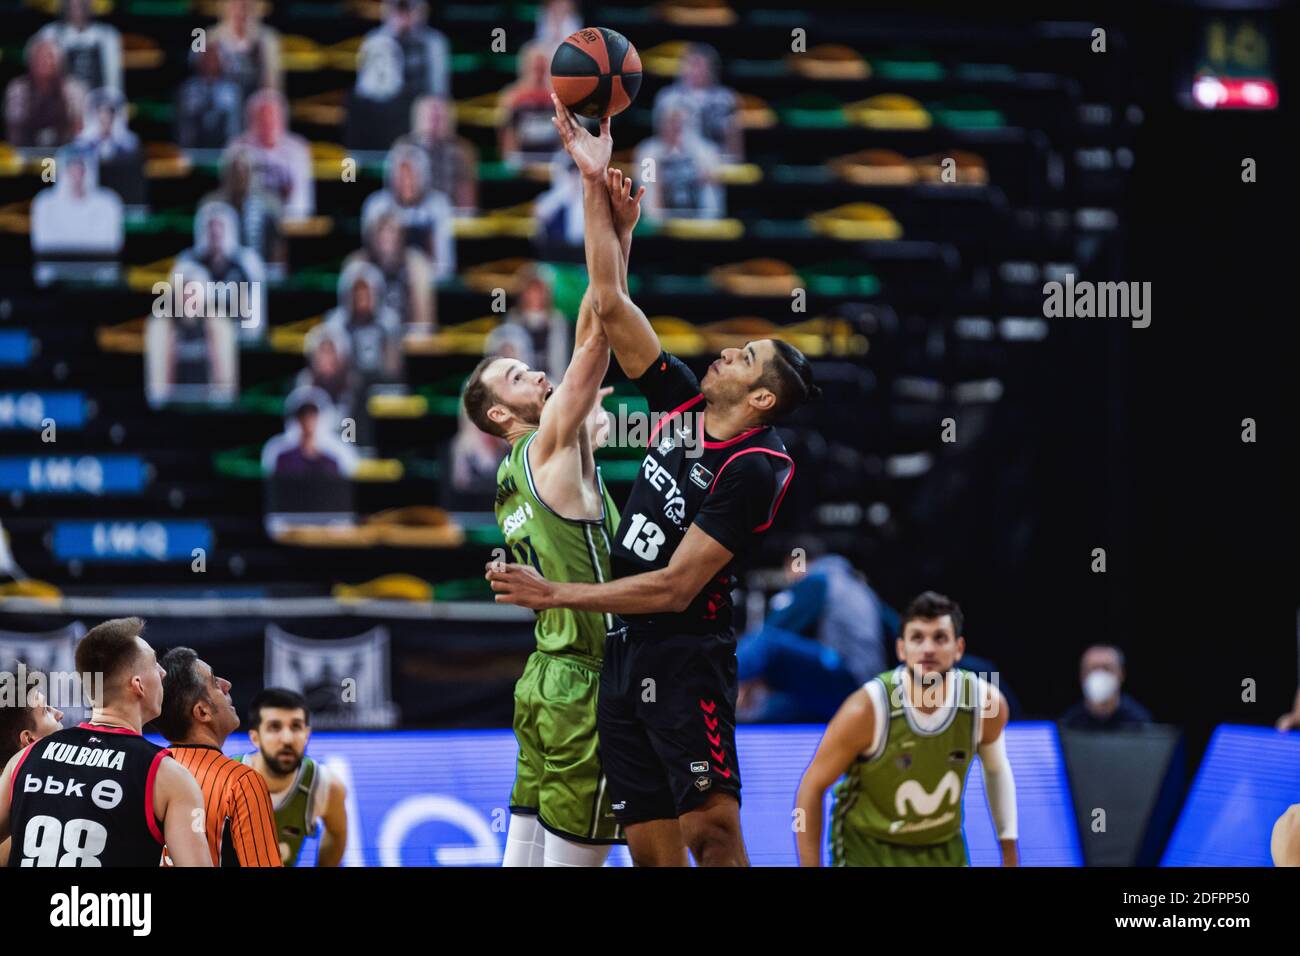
(99, 794)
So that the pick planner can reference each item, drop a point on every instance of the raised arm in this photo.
(567, 409)
(634, 341)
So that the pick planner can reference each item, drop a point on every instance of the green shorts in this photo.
(860, 850)
(558, 776)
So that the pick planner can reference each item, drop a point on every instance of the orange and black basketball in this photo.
(596, 72)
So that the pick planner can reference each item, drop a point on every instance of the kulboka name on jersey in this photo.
(76, 756)
(72, 909)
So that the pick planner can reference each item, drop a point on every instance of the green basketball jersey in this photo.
(293, 819)
(909, 790)
(561, 549)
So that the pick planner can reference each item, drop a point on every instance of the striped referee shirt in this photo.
(238, 815)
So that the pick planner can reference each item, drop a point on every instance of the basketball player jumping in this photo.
(557, 516)
(99, 794)
(668, 683)
(903, 743)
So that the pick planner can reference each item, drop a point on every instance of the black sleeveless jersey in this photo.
(730, 489)
(84, 797)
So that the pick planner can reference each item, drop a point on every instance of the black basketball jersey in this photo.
(730, 489)
(84, 797)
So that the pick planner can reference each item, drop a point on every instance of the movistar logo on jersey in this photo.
(934, 807)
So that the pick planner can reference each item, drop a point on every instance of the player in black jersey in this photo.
(712, 480)
(99, 794)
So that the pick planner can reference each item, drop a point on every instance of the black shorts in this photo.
(667, 722)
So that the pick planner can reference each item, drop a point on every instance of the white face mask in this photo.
(1100, 686)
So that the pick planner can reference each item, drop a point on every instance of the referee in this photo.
(197, 717)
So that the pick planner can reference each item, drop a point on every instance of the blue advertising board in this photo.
(1248, 777)
(130, 540)
(440, 798)
(73, 474)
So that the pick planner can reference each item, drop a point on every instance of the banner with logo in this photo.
(346, 681)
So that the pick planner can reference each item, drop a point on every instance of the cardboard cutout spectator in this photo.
(281, 159)
(526, 134)
(548, 331)
(329, 368)
(308, 448)
(453, 160)
(558, 211)
(686, 171)
(191, 353)
(43, 106)
(209, 105)
(260, 212)
(712, 110)
(117, 149)
(217, 248)
(76, 217)
(250, 51)
(426, 215)
(407, 274)
(556, 21)
(425, 61)
(374, 331)
(379, 105)
(92, 52)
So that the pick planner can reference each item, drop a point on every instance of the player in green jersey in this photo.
(900, 747)
(556, 515)
(307, 798)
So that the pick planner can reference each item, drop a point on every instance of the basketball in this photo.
(596, 72)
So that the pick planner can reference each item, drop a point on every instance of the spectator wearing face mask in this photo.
(1104, 706)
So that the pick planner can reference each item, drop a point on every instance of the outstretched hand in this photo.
(590, 153)
(623, 206)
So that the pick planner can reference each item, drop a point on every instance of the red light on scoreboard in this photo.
(1232, 93)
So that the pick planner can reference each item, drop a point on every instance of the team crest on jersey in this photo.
(700, 475)
(666, 445)
(703, 783)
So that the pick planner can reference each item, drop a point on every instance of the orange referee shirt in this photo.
(236, 805)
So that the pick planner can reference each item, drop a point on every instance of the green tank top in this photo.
(909, 791)
(561, 549)
(293, 819)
